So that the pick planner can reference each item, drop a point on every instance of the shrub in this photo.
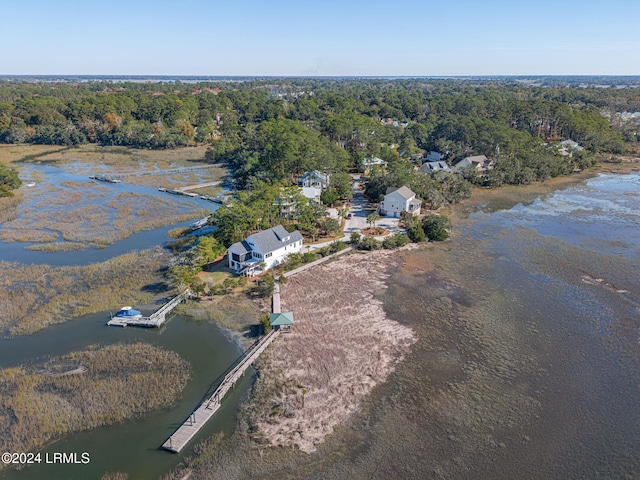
(368, 243)
(336, 247)
(396, 240)
(308, 257)
(355, 238)
(416, 233)
(266, 285)
(229, 284)
(265, 325)
(435, 227)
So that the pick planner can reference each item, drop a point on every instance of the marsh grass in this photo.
(87, 217)
(83, 212)
(9, 207)
(99, 386)
(23, 153)
(56, 247)
(37, 296)
(462, 394)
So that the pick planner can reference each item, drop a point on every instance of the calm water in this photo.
(570, 263)
(49, 188)
(132, 447)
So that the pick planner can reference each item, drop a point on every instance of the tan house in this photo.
(398, 200)
(480, 163)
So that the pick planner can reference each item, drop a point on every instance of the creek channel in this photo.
(131, 447)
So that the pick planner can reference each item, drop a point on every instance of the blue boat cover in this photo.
(127, 313)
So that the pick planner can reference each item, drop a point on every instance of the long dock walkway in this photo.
(168, 171)
(206, 410)
(156, 319)
(199, 185)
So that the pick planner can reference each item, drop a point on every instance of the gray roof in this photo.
(430, 167)
(272, 239)
(474, 159)
(242, 247)
(404, 191)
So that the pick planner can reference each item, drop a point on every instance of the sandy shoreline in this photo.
(342, 345)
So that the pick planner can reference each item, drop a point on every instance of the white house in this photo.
(567, 147)
(479, 163)
(314, 178)
(398, 200)
(271, 247)
(312, 193)
(368, 162)
(431, 167)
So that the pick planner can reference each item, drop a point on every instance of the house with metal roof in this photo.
(398, 200)
(263, 250)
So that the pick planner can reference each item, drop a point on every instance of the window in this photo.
(235, 257)
(268, 255)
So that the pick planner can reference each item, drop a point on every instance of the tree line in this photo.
(274, 130)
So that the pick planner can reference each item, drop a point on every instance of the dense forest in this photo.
(275, 129)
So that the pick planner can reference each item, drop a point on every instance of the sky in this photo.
(319, 38)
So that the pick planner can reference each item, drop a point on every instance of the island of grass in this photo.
(99, 386)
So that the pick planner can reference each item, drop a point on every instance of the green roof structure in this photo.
(285, 318)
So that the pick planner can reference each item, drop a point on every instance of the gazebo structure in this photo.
(281, 321)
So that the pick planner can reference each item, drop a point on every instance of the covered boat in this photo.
(129, 313)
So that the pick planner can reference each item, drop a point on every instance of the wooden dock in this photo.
(275, 299)
(183, 435)
(168, 171)
(199, 185)
(155, 320)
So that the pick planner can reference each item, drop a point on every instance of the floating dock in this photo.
(176, 442)
(156, 320)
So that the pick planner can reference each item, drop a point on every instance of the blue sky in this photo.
(349, 37)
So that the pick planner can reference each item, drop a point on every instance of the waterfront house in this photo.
(479, 163)
(398, 200)
(263, 250)
(431, 167)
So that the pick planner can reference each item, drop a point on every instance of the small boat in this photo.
(30, 184)
(128, 313)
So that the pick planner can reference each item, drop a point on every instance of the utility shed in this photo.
(281, 321)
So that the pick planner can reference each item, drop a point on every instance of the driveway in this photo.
(359, 213)
(358, 220)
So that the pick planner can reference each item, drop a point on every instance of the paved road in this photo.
(358, 220)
